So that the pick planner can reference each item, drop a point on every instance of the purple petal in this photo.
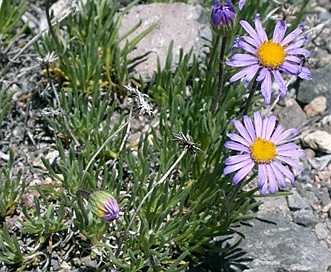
(263, 180)
(262, 74)
(245, 46)
(286, 147)
(239, 139)
(295, 45)
(279, 176)
(291, 153)
(290, 162)
(241, 60)
(263, 189)
(249, 127)
(290, 37)
(270, 126)
(241, 4)
(266, 88)
(305, 74)
(247, 73)
(234, 167)
(293, 59)
(278, 131)
(282, 87)
(242, 130)
(272, 180)
(258, 124)
(262, 174)
(250, 73)
(243, 172)
(237, 159)
(285, 171)
(251, 41)
(236, 146)
(279, 32)
(290, 68)
(259, 28)
(284, 135)
(248, 28)
(299, 51)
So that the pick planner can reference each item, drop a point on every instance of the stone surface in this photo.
(320, 85)
(274, 204)
(276, 244)
(316, 106)
(321, 231)
(318, 140)
(305, 218)
(186, 25)
(291, 115)
(296, 202)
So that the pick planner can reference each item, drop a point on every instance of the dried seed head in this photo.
(185, 141)
(144, 107)
(48, 59)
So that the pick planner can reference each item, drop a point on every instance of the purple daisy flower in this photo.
(222, 15)
(269, 57)
(261, 144)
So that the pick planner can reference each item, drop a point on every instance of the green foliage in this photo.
(48, 221)
(12, 189)
(10, 252)
(4, 104)
(162, 226)
(93, 55)
(11, 12)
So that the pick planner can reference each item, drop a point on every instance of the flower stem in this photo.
(250, 96)
(79, 193)
(232, 197)
(220, 76)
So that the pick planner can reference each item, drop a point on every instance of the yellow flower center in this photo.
(263, 151)
(101, 212)
(271, 54)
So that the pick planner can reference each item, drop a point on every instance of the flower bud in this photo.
(104, 205)
(222, 16)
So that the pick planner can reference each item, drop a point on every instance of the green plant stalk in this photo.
(147, 195)
(238, 186)
(81, 207)
(220, 76)
(250, 96)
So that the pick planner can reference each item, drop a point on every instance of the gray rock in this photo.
(273, 204)
(321, 231)
(188, 26)
(296, 202)
(291, 115)
(305, 218)
(325, 198)
(310, 198)
(276, 244)
(320, 85)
